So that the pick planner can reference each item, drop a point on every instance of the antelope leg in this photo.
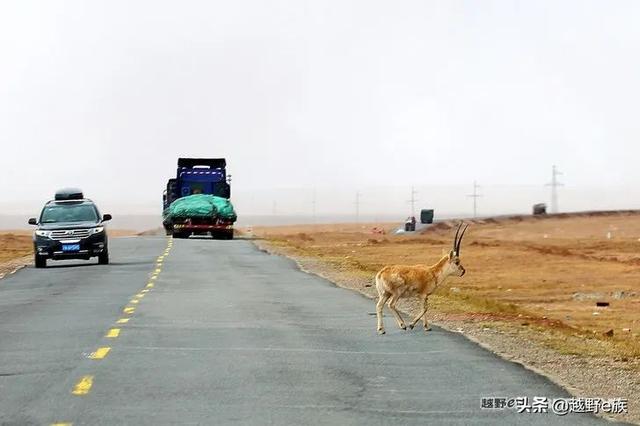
(392, 306)
(382, 299)
(424, 311)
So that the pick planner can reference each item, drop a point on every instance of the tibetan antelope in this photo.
(396, 281)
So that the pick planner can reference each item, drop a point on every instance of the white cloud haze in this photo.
(334, 95)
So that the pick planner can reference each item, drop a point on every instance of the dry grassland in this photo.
(530, 283)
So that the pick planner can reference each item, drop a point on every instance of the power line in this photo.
(313, 206)
(413, 201)
(475, 197)
(554, 188)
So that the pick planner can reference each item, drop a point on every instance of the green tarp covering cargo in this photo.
(200, 206)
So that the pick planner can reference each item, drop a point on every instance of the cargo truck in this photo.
(201, 191)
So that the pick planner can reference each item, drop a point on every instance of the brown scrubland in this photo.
(561, 294)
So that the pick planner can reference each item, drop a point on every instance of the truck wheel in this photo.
(103, 258)
(180, 235)
(228, 235)
(41, 262)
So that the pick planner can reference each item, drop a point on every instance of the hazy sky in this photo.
(336, 95)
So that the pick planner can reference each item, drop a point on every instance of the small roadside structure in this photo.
(426, 216)
(539, 209)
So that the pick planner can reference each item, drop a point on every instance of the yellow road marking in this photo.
(145, 291)
(83, 386)
(123, 321)
(61, 424)
(129, 310)
(134, 301)
(114, 332)
(139, 295)
(158, 270)
(150, 285)
(154, 277)
(100, 353)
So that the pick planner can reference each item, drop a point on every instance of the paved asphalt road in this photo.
(227, 334)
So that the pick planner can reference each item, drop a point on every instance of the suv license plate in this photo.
(71, 247)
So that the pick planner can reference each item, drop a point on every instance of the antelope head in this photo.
(454, 267)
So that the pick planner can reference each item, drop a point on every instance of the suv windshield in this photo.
(69, 213)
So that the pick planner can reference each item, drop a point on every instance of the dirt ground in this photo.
(530, 293)
(15, 244)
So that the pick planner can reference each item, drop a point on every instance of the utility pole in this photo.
(475, 197)
(413, 201)
(554, 188)
(358, 206)
(313, 206)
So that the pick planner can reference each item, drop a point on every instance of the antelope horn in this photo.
(455, 239)
(460, 240)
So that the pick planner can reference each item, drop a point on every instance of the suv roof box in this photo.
(69, 194)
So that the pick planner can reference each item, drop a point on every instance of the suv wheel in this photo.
(41, 262)
(103, 258)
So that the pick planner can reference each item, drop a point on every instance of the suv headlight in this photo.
(97, 229)
(43, 233)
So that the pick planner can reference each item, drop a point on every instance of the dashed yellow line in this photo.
(86, 382)
(114, 332)
(100, 353)
(83, 386)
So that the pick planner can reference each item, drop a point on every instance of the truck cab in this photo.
(198, 176)
(206, 176)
